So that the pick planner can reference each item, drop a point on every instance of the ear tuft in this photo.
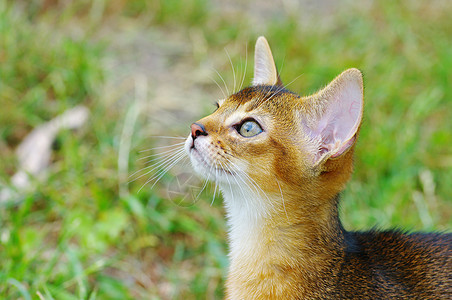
(338, 115)
(264, 65)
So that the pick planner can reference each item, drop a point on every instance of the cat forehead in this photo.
(265, 96)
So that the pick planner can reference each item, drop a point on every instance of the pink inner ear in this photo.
(337, 127)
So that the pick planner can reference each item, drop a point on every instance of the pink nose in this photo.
(197, 130)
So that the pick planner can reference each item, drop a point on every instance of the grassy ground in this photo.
(84, 233)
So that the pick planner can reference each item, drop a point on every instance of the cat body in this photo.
(281, 161)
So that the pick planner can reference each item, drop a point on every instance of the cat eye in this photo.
(249, 128)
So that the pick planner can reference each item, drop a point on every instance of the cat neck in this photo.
(271, 242)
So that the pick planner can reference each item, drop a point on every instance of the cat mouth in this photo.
(206, 168)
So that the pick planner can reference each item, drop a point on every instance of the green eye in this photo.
(249, 129)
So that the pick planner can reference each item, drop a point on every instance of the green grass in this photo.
(81, 235)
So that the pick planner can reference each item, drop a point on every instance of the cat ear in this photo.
(337, 116)
(264, 66)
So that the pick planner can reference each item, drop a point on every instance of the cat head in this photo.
(270, 138)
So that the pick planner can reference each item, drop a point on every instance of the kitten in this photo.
(281, 161)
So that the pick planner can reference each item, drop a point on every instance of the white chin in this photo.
(200, 165)
(206, 171)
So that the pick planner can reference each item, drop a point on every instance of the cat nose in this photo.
(197, 130)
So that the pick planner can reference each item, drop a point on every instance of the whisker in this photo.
(274, 94)
(215, 190)
(240, 187)
(293, 80)
(163, 147)
(251, 184)
(244, 177)
(168, 137)
(184, 165)
(218, 85)
(282, 65)
(261, 100)
(277, 91)
(246, 64)
(164, 153)
(251, 180)
(164, 163)
(224, 82)
(205, 183)
(282, 198)
(230, 186)
(233, 70)
(238, 173)
(164, 157)
(161, 173)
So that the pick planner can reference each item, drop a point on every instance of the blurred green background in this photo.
(148, 68)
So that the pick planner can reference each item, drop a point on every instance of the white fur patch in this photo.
(246, 204)
(247, 208)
